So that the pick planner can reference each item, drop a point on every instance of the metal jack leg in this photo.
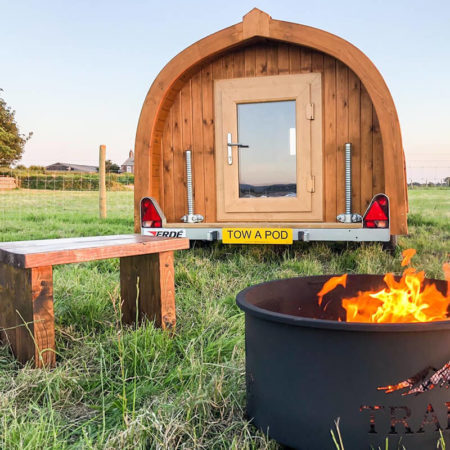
(348, 216)
(190, 217)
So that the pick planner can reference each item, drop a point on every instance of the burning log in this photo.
(420, 383)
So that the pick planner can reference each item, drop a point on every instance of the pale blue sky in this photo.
(77, 72)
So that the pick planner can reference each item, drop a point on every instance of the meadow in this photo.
(137, 387)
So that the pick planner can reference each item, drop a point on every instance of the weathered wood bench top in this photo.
(49, 252)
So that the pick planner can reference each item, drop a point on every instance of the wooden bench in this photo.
(26, 285)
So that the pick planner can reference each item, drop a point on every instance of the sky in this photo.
(265, 127)
(77, 72)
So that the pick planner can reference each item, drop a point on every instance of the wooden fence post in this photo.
(102, 181)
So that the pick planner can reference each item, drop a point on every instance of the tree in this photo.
(111, 167)
(11, 141)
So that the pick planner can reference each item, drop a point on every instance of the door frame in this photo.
(305, 89)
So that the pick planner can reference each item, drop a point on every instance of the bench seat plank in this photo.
(40, 242)
(26, 254)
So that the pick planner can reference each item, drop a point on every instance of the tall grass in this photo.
(138, 387)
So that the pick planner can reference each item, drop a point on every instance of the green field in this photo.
(118, 387)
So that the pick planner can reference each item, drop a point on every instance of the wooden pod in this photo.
(180, 113)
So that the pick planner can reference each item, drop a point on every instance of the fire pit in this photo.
(306, 366)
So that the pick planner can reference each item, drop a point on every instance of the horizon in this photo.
(78, 73)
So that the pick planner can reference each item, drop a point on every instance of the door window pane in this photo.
(268, 168)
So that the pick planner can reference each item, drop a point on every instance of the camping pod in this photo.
(269, 132)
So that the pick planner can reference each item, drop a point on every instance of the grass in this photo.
(34, 214)
(117, 387)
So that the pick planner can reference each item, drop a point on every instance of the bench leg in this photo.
(156, 288)
(26, 313)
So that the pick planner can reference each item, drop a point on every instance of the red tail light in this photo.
(150, 214)
(377, 214)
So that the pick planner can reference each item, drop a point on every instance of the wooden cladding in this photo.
(188, 123)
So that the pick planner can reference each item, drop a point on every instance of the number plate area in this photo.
(257, 236)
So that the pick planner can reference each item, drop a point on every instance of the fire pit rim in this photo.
(272, 316)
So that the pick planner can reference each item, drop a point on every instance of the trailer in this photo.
(270, 132)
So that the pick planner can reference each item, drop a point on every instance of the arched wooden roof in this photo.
(257, 24)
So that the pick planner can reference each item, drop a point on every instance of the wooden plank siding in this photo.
(366, 148)
(354, 136)
(208, 144)
(197, 143)
(348, 116)
(330, 145)
(179, 178)
(377, 152)
(342, 119)
(167, 188)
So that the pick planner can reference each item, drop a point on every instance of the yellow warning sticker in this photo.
(257, 235)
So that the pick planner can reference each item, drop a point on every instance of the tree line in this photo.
(12, 142)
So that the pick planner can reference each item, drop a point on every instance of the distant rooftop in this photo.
(130, 160)
(128, 164)
(67, 167)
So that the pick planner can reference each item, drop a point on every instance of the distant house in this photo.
(128, 165)
(64, 167)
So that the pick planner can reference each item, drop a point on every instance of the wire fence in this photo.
(33, 193)
(422, 172)
(64, 181)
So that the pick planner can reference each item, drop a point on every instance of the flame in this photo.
(403, 301)
(407, 255)
(446, 269)
(331, 284)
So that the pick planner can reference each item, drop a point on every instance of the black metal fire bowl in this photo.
(305, 368)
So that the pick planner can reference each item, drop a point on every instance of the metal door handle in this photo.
(230, 146)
